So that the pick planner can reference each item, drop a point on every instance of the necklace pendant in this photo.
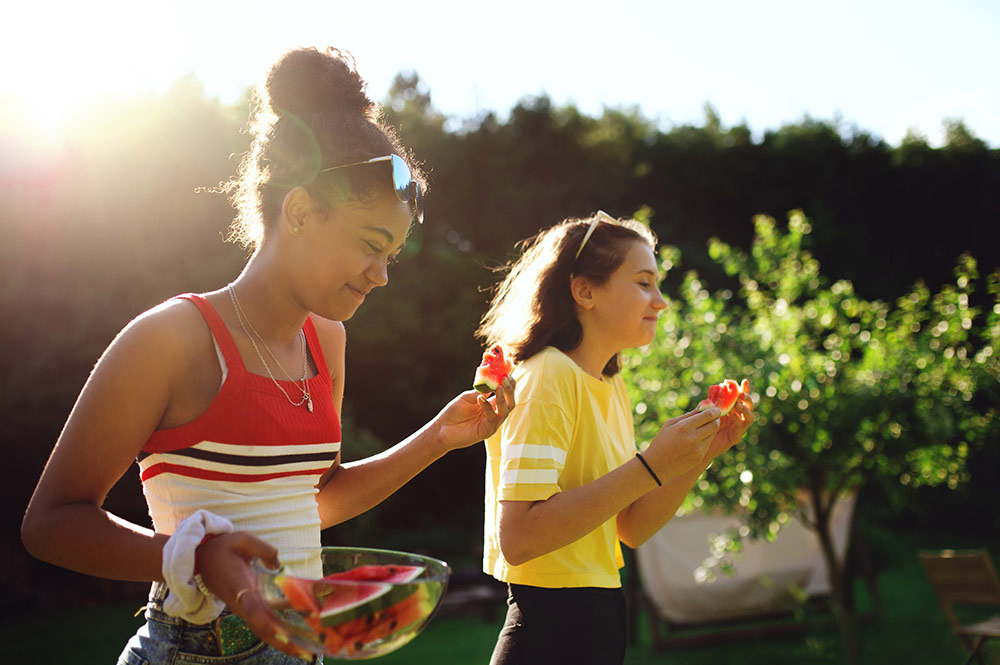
(309, 403)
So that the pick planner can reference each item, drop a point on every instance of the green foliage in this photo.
(117, 219)
(847, 390)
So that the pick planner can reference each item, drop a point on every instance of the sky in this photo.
(883, 66)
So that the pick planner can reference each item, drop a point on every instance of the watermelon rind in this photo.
(347, 600)
(334, 613)
(492, 370)
(351, 594)
(483, 382)
(364, 637)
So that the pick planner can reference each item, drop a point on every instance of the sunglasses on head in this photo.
(407, 189)
(599, 217)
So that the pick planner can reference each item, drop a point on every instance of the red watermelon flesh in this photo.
(725, 395)
(363, 590)
(352, 629)
(299, 593)
(355, 635)
(492, 371)
(351, 610)
(372, 573)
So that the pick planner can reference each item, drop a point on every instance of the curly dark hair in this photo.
(533, 306)
(310, 113)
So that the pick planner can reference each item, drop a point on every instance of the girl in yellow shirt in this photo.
(564, 480)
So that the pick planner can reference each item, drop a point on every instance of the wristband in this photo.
(649, 468)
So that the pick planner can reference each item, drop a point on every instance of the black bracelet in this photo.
(649, 468)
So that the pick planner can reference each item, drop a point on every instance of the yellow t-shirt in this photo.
(567, 429)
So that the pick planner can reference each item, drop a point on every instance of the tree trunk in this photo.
(842, 606)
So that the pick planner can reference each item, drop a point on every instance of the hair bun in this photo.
(306, 81)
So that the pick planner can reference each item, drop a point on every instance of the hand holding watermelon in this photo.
(725, 395)
(734, 401)
(223, 565)
(492, 370)
(693, 439)
(476, 414)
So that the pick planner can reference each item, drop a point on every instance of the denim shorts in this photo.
(167, 640)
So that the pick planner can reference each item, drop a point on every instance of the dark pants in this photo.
(576, 626)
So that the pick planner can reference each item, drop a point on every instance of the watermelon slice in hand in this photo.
(725, 395)
(492, 371)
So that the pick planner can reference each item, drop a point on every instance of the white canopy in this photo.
(765, 571)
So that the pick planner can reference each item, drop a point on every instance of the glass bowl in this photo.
(352, 603)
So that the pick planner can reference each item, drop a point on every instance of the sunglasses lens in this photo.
(406, 189)
(401, 178)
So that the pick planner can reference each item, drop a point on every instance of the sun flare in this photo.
(61, 58)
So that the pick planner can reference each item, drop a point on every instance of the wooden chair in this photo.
(965, 578)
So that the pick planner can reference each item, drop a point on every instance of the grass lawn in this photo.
(912, 631)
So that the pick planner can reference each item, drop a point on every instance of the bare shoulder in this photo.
(130, 392)
(172, 328)
(168, 346)
(166, 355)
(333, 338)
(332, 334)
(328, 328)
(129, 395)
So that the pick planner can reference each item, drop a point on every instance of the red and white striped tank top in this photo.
(252, 456)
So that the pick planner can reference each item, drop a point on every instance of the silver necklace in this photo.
(241, 317)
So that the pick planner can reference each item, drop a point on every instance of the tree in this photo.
(847, 391)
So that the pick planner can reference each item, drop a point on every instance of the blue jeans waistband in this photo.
(228, 635)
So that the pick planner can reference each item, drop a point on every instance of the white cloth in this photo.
(185, 599)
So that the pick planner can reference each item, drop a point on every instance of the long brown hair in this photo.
(533, 306)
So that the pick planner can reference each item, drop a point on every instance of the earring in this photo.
(296, 229)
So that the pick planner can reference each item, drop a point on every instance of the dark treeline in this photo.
(119, 219)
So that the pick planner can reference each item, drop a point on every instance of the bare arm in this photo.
(347, 490)
(122, 402)
(528, 529)
(143, 381)
(647, 515)
(355, 487)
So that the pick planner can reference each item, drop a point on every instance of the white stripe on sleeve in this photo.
(535, 451)
(529, 477)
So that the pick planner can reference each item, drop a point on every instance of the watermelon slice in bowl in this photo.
(363, 603)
